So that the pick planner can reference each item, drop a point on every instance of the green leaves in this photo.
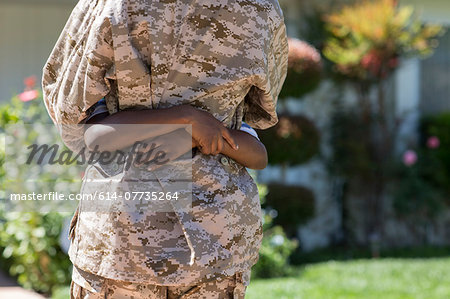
(31, 250)
(29, 241)
(274, 254)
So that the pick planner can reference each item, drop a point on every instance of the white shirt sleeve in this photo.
(246, 128)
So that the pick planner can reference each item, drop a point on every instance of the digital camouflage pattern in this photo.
(226, 57)
(219, 288)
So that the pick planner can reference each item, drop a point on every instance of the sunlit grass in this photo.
(361, 279)
(358, 279)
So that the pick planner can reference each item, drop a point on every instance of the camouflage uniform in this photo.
(219, 287)
(226, 57)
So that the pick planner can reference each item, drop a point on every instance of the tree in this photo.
(365, 43)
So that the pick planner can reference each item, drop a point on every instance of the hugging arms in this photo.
(209, 135)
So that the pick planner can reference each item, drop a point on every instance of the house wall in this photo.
(433, 83)
(435, 79)
(434, 11)
(28, 32)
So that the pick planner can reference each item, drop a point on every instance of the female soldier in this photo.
(211, 64)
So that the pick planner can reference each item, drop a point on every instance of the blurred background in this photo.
(356, 198)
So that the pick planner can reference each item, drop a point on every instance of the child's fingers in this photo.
(219, 145)
(214, 146)
(227, 136)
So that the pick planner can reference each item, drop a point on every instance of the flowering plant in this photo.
(304, 69)
(30, 93)
(365, 43)
(421, 189)
(368, 38)
(29, 241)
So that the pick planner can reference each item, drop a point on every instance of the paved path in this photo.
(10, 290)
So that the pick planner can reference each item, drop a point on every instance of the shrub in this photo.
(438, 127)
(304, 69)
(30, 244)
(29, 241)
(294, 206)
(294, 140)
(274, 254)
(423, 191)
(276, 247)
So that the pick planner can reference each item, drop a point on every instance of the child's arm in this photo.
(251, 152)
(103, 130)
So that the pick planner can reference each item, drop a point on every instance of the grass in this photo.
(61, 293)
(358, 279)
(361, 279)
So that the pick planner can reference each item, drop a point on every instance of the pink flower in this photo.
(28, 95)
(409, 158)
(30, 82)
(433, 142)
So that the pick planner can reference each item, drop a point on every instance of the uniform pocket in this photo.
(79, 292)
(73, 224)
(239, 286)
(75, 291)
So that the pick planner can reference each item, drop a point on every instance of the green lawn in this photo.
(361, 279)
(358, 279)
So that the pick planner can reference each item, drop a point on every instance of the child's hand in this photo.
(209, 133)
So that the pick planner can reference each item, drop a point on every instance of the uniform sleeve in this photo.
(261, 101)
(75, 76)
